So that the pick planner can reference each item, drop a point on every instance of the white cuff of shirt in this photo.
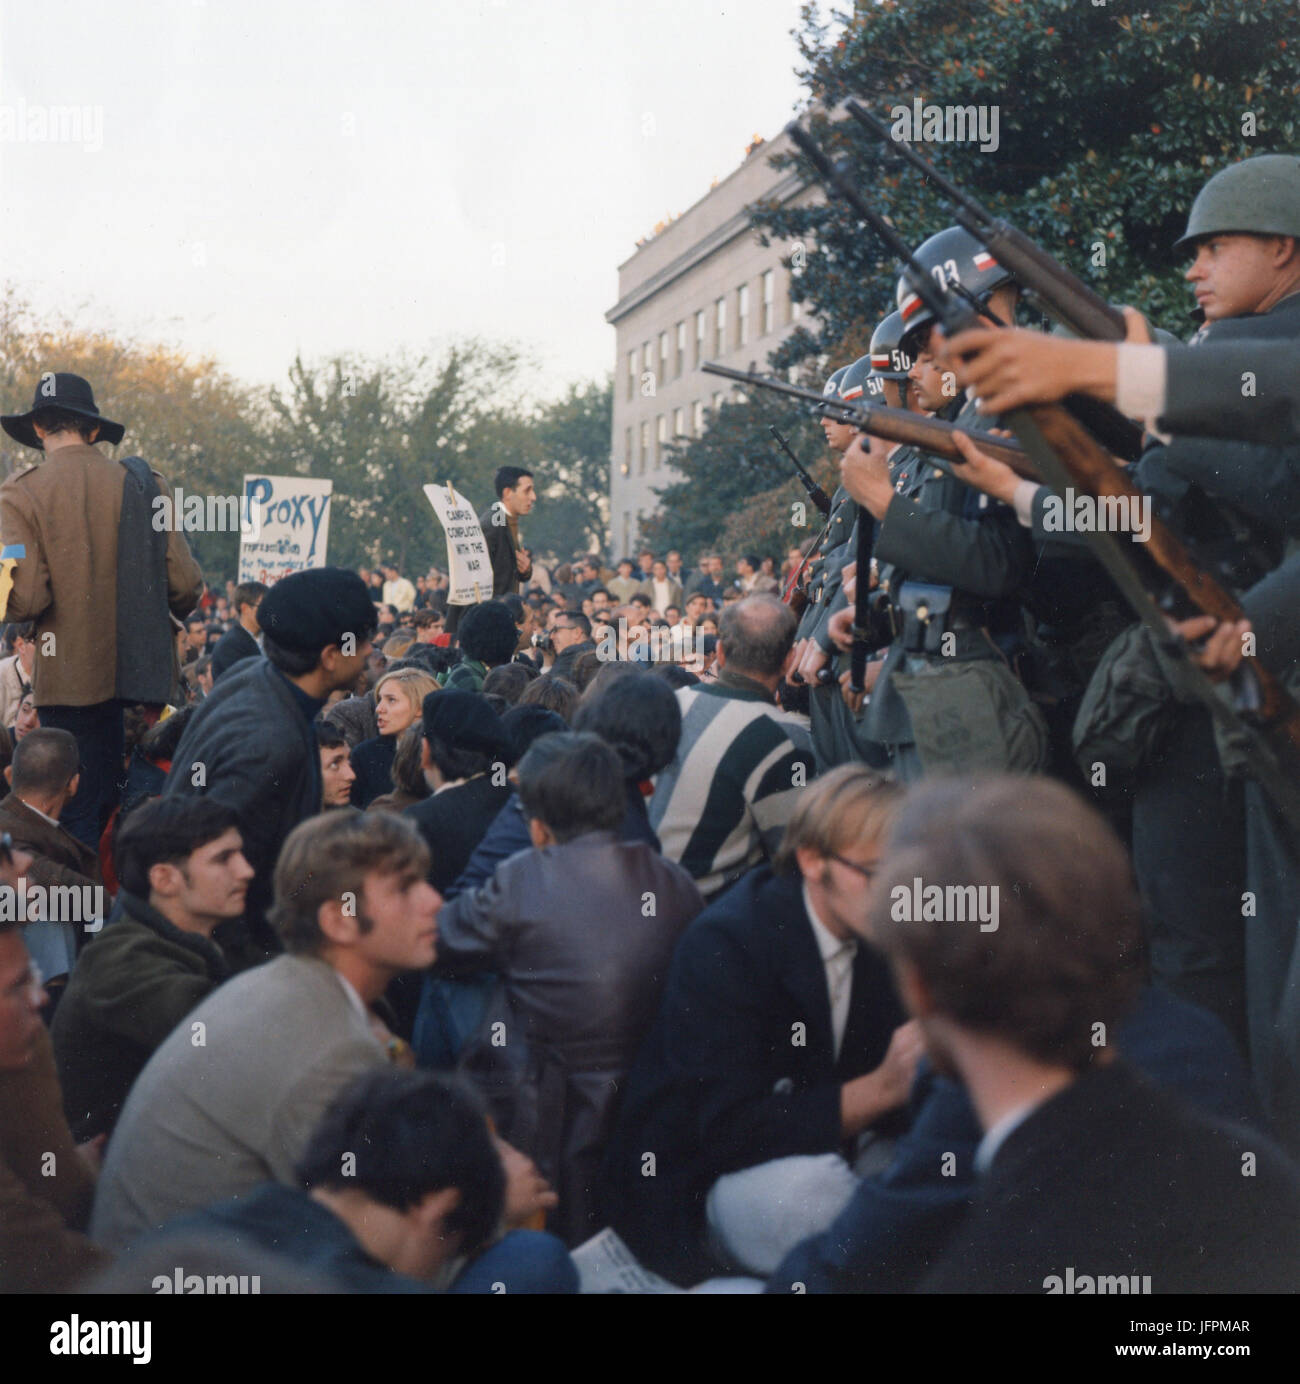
(1140, 384)
(1023, 502)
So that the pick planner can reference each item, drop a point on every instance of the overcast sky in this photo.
(260, 177)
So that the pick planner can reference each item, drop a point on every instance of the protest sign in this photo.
(469, 568)
(287, 527)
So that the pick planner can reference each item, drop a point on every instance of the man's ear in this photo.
(426, 759)
(338, 925)
(164, 879)
(73, 784)
(434, 1207)
(539, 832)
(811, 862)
(9, 775)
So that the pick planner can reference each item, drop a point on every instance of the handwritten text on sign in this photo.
(293, 528)
(469, 567)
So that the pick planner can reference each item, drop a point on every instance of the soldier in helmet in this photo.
(944, 697)
(890, 363)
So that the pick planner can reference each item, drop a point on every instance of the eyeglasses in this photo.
(868, 872)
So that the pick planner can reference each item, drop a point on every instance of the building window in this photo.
(661, 439)
(627, 451)
(648, 358)
(796, 309)
(720, 324)
(699, 338)
(769, 301)
(681, 349)
(742, 314)
(717, 401)
(631, 374)
(627, 532)
(697, 418)
(679, 422)
(645, 445)
(663, 357)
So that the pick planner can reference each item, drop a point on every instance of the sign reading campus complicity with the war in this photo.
(468, 564)
(287, 526)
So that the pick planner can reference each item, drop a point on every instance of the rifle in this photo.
(1066, 298)
(932, 435)
(1164, 581)
(815, 493)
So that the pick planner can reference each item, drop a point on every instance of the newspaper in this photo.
(606, 1265)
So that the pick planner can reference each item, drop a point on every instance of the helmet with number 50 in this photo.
(957, 262)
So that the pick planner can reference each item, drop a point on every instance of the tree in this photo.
(571, 435)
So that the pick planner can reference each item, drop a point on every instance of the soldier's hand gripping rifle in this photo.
(815, 493)
(933, 435)
(1061, 294)
(1159, 580)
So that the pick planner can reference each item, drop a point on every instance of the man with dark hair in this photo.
(661, 588)
(487, 636)
(196, 639)
(723, 802)
(400, 1183)
(251, 744)
(570, 639)
(465, 757)
(512, 564)
(230, 1098)
(580, 983)
(16, 671)
(625, 585)
(398, 591)
(182, 871)
(1084, 1167)
(44, 777)
(428, 623)
(102, 578)
(336, 771)
(240, 640)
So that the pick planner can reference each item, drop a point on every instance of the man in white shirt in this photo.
(398, 592)
(662, 589)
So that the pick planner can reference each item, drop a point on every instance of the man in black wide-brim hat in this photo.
(98, 577)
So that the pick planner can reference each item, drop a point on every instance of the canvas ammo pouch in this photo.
(969, 712)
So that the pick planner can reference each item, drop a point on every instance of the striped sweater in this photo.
(721, 806)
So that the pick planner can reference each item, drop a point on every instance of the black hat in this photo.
(524, 724)
(70, 393)
(464, 721)
(310, 610)
(488, 633)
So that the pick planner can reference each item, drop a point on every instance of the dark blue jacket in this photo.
(895, 1228)
(739, 1067)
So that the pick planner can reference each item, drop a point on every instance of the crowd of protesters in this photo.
(429, 941)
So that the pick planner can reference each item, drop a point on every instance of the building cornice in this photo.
(789, 186)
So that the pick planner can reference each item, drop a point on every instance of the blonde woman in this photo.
(399, 700)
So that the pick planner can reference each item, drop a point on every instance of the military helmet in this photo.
(888, 359)
(1258, 196)
(853, 386)
(955, 259)
(831, 389)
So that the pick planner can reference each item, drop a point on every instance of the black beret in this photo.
(310, 610)
(464, 721)
(524, 724)
(488, 633)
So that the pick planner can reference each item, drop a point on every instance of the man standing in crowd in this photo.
(398, 591)
(570, 639)
(336, 771)
(512, 564)
(723, 803)
(251, 744)
(98, 578)
(240, 640)
(661, 588)
(182, 872)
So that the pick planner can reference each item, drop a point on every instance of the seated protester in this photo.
(210, 1120)
(579, 985)
(398, 697)
(336, 771)
(409, 786)
(251, 743)
(240, 640)
(182, 871)
(423, 1192)
(1084, 1166)
(570, 639)
(780, 1041)
(44, 774)
(551, 694)
(25, 718)
(509, 681)
(464, 758)
(487, 637)
(45, 1186)
(721, 806)
(16, 670)
(640, 723)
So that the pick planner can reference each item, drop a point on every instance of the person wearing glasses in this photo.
(779, 1056)
(570, 638)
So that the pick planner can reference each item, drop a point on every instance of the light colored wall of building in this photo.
(708, 254)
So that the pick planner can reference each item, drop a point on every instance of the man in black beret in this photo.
(488, 636)
(466, 753)
(251, 744)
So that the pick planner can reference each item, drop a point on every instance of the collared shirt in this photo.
(661, 593)
(837, 957)
(354, 999)
(53, 821)
(998, 1133)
